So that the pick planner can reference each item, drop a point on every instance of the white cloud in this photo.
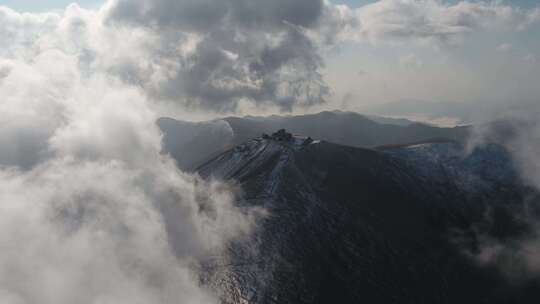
(19, 31)
(530, 58)
(395, 20)
(505, 47)
(90, 211)
(410, 61)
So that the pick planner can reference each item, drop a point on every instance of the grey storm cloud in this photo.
(256, 51)
(205, 15)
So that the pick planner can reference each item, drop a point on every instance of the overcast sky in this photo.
(476, 53)
(30, 5)
(36, 6)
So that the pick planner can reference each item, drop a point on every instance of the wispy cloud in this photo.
(433, 20)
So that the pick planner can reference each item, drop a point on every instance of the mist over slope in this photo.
(193, 143)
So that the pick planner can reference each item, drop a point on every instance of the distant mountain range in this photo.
(193, 143)
(460, 111)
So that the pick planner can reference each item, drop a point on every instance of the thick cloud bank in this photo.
(90, 211)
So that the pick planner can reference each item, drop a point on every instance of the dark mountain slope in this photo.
(350, 225)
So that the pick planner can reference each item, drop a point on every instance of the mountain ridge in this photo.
(191, 144)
